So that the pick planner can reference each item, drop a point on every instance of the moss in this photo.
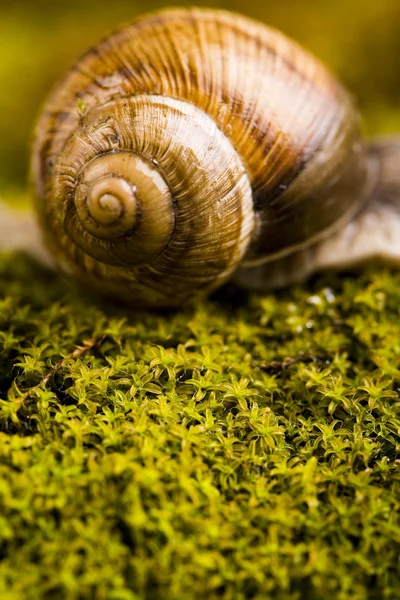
(245, 448)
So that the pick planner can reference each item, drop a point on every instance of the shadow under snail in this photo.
(197, 145)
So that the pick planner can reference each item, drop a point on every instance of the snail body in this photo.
(191, 146)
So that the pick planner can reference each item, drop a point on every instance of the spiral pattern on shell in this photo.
(185, 143)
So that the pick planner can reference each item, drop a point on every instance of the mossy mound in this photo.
(246, 448)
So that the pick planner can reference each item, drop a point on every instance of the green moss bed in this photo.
(246, 448)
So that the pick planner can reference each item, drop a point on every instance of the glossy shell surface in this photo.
(247, 145)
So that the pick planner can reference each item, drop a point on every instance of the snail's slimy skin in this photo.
(19, 232)
(187, 145)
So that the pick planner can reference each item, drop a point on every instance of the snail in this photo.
(196, 146)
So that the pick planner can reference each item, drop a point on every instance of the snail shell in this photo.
(190, 143)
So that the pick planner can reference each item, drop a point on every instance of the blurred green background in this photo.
(359, 39)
